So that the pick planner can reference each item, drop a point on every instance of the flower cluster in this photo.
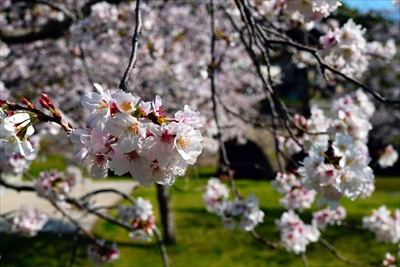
(53, 185)
(311, 9)
(299, 10)
(141, 217)
(19, 141)
(124, 135)
(247, 212)
(327, 216)
(388, 157)
(215, 194)
(295, 195)
(385, 227)
(347, 50)
(27, 222)
(386, 51)
(101, 253)
(344, 173)
(343, 48)
(295, 235)
(298, 198)
(340, 166)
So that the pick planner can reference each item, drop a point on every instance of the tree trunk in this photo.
(167, 215)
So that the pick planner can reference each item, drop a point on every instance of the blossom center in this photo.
(132, 156)
(99, 160)
(166, 137)
(126, 106)
(133, 129)
(101, 106)
(183, 141)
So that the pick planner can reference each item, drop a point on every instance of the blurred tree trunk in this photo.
(167, 215)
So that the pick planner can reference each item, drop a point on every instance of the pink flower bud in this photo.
(26, 102)
(45, 97)
(44, 104)
(51, 105)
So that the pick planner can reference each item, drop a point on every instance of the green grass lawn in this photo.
(202, 241)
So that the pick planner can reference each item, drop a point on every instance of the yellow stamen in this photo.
(133, 129)
(183, 141)
(126, 106)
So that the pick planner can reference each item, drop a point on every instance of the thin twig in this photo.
(18, 188)
(304, 258)
(135, 42)
(88, 71)
(343, 259)
(324, 66)
(160, 243)
(74, 248)
(40, 116)
(214, 102)
(29, 176)
(262, 240)
(77, 224)
(111, 190)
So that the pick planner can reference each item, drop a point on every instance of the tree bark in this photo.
(167, 215)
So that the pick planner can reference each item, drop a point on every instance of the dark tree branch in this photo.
(111, 190)
(74, 248)
(52, 30)
(18, 188)
(212, 75)
(135, 42)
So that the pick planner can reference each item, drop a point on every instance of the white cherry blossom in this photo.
(389, 157)
(27, 222)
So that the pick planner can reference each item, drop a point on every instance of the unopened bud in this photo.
(26, 102)
(51, 105)
(44, 104)
(45, 97)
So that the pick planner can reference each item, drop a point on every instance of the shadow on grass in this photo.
(45, 249)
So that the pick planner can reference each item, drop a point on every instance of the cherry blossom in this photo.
(215, 194)
(141, 217)
(245, 212)
(385, 227)
(27, 222)
(298, 198)
(102, 253)
(295, 235)
(327, 216)
(389, 260)
(138, 140)
(53, 185)
(388, 157)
